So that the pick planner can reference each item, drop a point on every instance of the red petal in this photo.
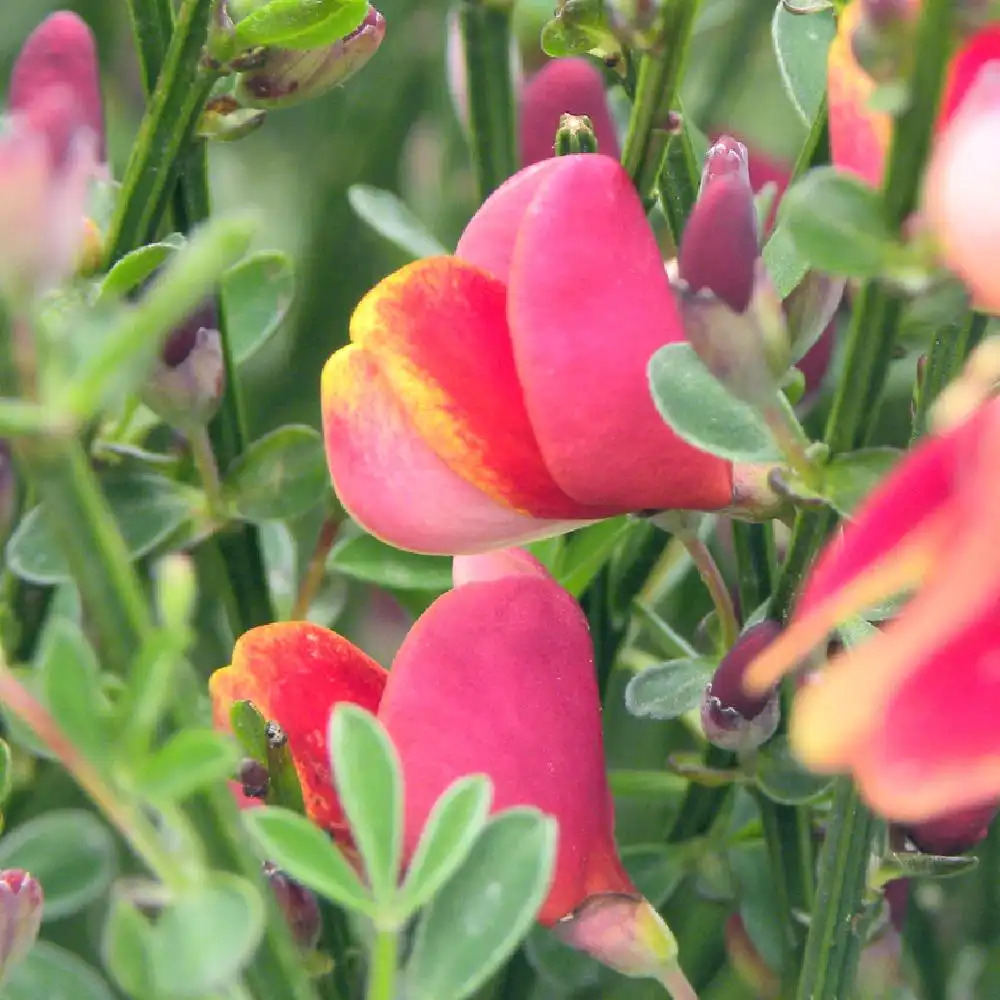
(982, 48)
(437, 330)
(498, 678)
(294, 673)
(588, 306)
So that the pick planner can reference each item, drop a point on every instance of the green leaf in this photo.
(6, 772)
(558, 965)
(53, 973)
(700, 410)
(912, 864)
(586, 552)
(70, 682)
(299, 23)
(365, 558)
(656, 869)
(126, 947)
(134, 268)
(783, 779)
(250, 729)
(485, 909)
(786, 266)
(837, 224)
(203, 939)
(257, 293)
(70, 852)
(147, 508)
(370, 787)
(850, 477)
(280, 476)
(455, 822)
(801, 44)
(668, 690)
(303, 851)
(188, 761)
(390, 217)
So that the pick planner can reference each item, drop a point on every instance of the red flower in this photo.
(911, 711)
(500, 394)
(859, 135)
(496, 677)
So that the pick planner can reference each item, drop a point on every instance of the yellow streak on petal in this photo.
(904, 567)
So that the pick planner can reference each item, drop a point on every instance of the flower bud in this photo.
(20, 916)
(299, 906)
(187, 382)
(61, 53)
(225, 119)
(575, 135)
(290, 76)
(720, 244)
(959, 204)
(954, 833)
(731, 718)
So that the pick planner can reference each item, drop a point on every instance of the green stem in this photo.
(382, 974)
(951, 346)
(486, 35)
(711, 576)
(176, 103)
(152, 24)
(315, 572)
(208, 471)
(656, 94)
(834, 941)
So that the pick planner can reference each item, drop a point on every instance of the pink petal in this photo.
(393, 484)
(498, 678)
(61, 52)
(488, 240)
(496, 566)
(588, 305)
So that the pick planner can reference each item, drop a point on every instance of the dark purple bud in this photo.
(254, 777)
(61, 54)
(186, 386)
(720, 244)
(955, 833)
(21, 901)
(299, 906)
(731, 718)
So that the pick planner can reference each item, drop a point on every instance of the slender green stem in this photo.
(833, 943)
(951, 346)
(152, 24)
(180, 95)
(486, 34)
(712, 577)
(382, 974)
(91, 543)
(315, 572)
(208, 470)
(701, 804)
(656, 94)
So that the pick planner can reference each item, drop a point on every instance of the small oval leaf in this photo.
(390, 217)
(801, 43)
(485, 909)
(72, 854)
(783, 779)
(257, 292)
(280, 476)
(189, 760)
(700, 410)
(53, 973)
(668, 690)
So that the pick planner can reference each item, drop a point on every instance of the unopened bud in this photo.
(20, 916)
(732, 718)
(290, 76)
(955, 833)
(254, 777)
(575, 135)
(176, 591)
(720, 244)
(187, 382)
(299, 906)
